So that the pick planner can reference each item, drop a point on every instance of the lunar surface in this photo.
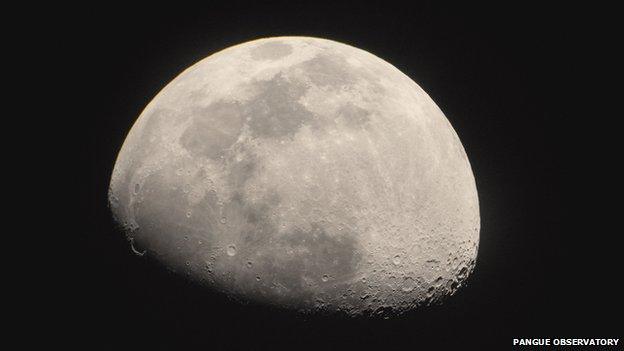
(301, 173)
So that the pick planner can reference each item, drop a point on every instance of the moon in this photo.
(301, 173)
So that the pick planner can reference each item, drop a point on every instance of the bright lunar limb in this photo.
(302, 173)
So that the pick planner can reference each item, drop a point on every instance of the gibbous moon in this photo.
(301, 173)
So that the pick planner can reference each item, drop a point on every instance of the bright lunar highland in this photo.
(301, 173)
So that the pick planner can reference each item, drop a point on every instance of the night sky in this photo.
(514, 81)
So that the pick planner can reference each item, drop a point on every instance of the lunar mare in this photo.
(303, 173)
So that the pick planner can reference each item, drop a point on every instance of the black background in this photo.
(515, 80)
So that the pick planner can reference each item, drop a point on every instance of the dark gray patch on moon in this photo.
(353, 115)
(336, 256)
(325, 70)
(258, 227)
(241, 171)
(271, 51)
(275, 112)
(213, 129)
(208, 206)
(300, 263)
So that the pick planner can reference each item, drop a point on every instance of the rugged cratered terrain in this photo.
(303, 173)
